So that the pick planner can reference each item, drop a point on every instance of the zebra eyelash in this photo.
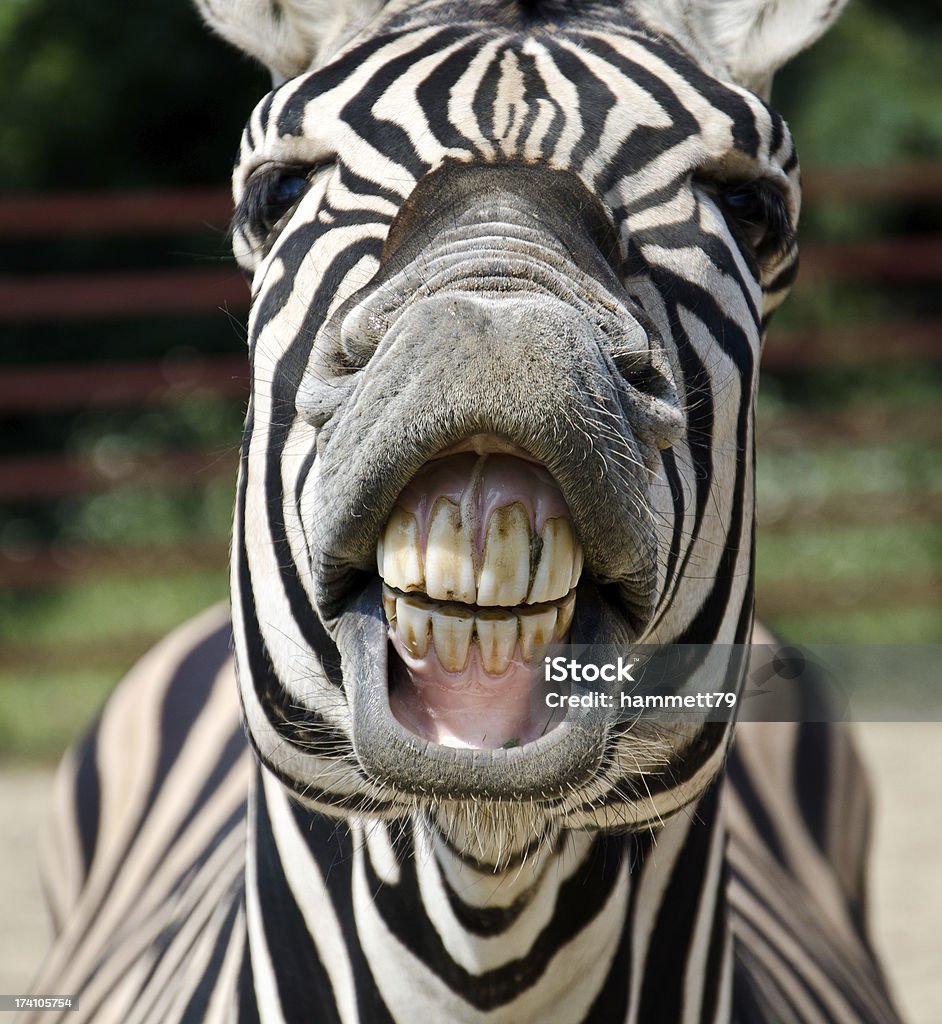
(757, 215)
(271, 193)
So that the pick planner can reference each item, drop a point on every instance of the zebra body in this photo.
(511, 263)
(372, 921)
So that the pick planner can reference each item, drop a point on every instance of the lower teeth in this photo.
(500, 636)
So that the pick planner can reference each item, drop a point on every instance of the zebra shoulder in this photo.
(798, 810)
(154, 791)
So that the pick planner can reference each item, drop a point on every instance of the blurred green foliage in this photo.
(112, 95)
(869, 92)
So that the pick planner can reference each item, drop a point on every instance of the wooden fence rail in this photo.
(36, 389)
(173, 292)
(141, 293)
(138, 213)
(109, 213)
(41, 388)
(56, 298)
(28, 478)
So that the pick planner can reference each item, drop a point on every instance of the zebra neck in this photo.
(588, 928)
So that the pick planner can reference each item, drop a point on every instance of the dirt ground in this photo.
(906, 876)
(24, 925)
(905, 765)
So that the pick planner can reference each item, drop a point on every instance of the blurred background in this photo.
(123, 381)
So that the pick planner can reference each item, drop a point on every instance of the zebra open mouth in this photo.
(480, 561)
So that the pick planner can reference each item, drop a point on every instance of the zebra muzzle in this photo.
(480, 561)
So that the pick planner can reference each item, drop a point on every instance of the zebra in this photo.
(511, 265)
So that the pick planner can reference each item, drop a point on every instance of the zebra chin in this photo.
(395, 750)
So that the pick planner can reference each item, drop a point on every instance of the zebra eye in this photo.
(270, 194)
(758, 216)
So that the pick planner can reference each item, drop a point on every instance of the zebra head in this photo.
(511, 263)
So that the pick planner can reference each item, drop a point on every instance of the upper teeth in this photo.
(515, 567)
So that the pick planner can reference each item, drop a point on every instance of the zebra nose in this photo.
(496, 355)
(517, 364)
(487, 356)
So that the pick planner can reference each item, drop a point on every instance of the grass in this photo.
(106, 624)
(897, 626)
(786, 476)
(849, 556)
(102, 611)
(41, 714)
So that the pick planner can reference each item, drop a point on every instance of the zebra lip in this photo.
(393, 755)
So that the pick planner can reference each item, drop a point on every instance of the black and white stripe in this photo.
(754, 904)
(203, 877)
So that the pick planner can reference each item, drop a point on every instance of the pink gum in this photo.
(479, 484)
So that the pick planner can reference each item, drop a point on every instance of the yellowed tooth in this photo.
(389, 605)
(536, 627)
(577, 562)
(497, 639)
(451, 634)
(402, 564)
(557, 557)
(413, 624)
(449, 559)
(564, 619)
(505, 572)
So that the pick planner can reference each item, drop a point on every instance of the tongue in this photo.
(468, 708)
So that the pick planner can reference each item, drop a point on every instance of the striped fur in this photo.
(776, 933)
(599, 182)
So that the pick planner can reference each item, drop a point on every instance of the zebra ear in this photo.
(289, 36)
(748, 40)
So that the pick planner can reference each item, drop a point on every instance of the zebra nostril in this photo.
(649, 399)
(361, 330)
(320, 396)
(640, 372)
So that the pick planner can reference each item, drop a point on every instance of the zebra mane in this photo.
(742, 41)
